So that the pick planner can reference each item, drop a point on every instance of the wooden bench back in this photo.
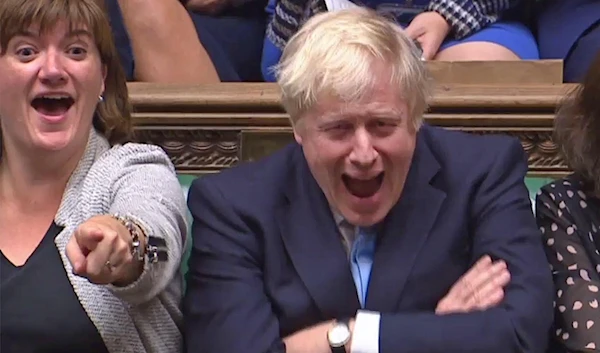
(210, 127)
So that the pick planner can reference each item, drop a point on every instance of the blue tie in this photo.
(361, 261)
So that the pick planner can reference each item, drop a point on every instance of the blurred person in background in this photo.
(445, 30)
(569, 30)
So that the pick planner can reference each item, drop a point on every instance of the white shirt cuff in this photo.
(365, 336)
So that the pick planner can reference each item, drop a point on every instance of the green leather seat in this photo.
(533, 185)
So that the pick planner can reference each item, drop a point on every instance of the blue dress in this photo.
(512, 35)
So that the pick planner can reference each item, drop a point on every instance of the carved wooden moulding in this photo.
(207, 128)
(195, 150)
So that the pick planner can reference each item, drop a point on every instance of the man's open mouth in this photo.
(363, 188)
(52, 105)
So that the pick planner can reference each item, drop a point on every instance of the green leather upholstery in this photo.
(534, 184)
(186, 181)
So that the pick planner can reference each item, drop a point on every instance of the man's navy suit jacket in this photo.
(268, 260)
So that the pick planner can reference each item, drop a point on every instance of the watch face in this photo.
(338, 335)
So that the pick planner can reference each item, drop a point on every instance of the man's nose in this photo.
(363, 153)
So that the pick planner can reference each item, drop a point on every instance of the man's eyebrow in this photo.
(385, 111)
(376, 112)
(333, 116)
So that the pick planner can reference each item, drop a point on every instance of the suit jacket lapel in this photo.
(405, 231)
(314, 244)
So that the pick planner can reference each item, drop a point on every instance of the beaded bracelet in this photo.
(136, 251)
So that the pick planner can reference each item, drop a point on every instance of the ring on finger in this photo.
(109, 265)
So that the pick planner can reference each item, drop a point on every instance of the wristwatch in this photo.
(339, 335)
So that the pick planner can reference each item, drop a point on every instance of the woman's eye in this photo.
(77, 51)
(26, 52)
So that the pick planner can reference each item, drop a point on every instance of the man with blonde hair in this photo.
(373, 232)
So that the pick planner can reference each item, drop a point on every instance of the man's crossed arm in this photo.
(481, 288)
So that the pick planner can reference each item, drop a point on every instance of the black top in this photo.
(569, 217)
(39, 311)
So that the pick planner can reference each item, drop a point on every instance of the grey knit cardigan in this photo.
(136, 180)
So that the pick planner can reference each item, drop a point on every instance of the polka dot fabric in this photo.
(569, 219)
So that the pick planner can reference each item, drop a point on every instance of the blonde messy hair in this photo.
(113, 118)
(334, 54)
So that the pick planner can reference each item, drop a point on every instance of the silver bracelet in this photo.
(136, 251)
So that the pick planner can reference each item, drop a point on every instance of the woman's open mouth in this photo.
(52, 105)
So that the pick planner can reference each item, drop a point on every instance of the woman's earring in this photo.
(100, 98)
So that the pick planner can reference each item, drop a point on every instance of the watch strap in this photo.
(341, 349)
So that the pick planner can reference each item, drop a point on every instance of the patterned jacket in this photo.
(464, 16)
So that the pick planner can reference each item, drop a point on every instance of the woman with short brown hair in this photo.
(92, 226)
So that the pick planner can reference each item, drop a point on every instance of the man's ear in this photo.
(297, 127)
(297, 137)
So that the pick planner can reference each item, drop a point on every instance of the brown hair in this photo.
(113, 115)
(577, 128)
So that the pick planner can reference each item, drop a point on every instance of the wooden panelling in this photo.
(210, 127)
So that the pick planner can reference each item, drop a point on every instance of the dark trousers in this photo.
(233, 40)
